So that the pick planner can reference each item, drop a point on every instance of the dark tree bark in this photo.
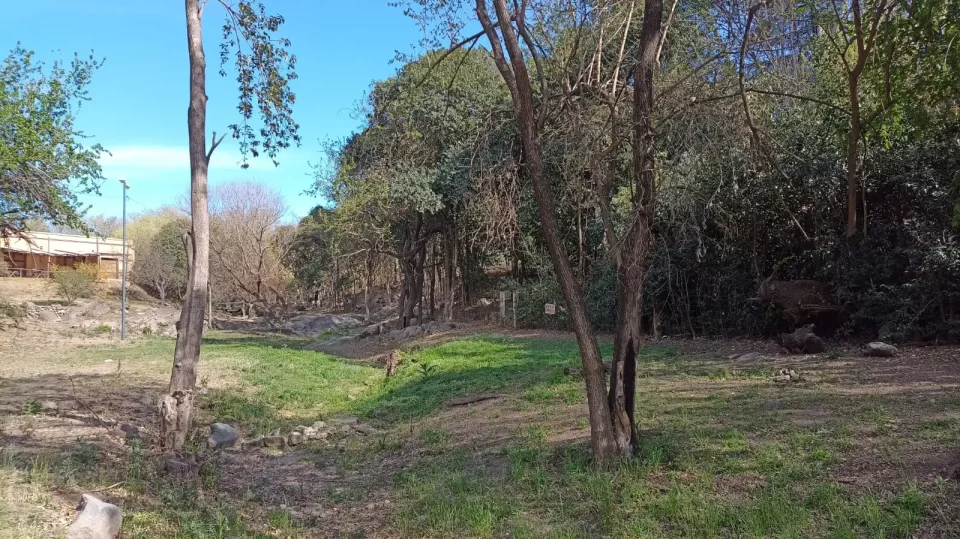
(450, 269)
(632, 251)
(176, 408)
(368, 282)
(515, 74)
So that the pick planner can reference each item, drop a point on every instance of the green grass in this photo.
(714, 460)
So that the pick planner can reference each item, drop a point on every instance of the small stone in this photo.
(108, 361)
(881, 349)
(275, 442)
(295, 438)
(254, 443)
(130, 432)
(310, 433)
(319, 425)
(48, 406)
(180, 468)
(222, 435)
(96, 520)
(364, 428)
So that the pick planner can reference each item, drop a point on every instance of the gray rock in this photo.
(319, 425)
(309, 433)
(275, 442)
(96, 520)
(222, 436)
(180, 468)
(49, 406)
(251, 444)
(130, 432)
(782, 378)
(881, 349)
(294, 439)
(364, 428)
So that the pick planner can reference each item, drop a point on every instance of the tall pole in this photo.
(123, 273)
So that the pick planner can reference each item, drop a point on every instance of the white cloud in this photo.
(166, 158)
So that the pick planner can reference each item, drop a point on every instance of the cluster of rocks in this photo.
(96, 315)
(312, 324)
(223, 436)
(785, 376)
(802, 341)
(412, 331)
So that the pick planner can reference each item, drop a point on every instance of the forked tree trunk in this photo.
(518, 79)
(632, 259)
(176, 408)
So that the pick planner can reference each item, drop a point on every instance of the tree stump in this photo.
(393, 362)
(175, 419)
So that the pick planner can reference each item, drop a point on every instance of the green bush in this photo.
(11, 310)
(74, 283)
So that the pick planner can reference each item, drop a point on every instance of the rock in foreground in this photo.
(96, 520)
(881, 349)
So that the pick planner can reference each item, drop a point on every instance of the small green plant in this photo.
(74, 283)
(280, 520)
(84, 456)
(12, 310)
(426, 369)
(39, 473)
(135, 466)
(102, 329)
(31, 407)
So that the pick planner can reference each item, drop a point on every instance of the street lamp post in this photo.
(123, 274)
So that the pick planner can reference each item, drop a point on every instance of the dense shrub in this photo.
(76, 282)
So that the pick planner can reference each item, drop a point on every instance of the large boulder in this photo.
(222, 436)
(881, 349)
(96, 520)
(802, 341)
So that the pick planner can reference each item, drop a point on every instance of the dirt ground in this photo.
(99, 402)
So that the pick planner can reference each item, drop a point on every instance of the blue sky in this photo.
(139, 96)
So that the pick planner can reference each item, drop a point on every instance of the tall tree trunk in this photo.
(853, 153)
(517, 77)
(368, 283)
(450, 269)
(632, 254)
(176, 408)
(434, 268)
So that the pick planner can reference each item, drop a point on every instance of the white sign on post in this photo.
(550, 308)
